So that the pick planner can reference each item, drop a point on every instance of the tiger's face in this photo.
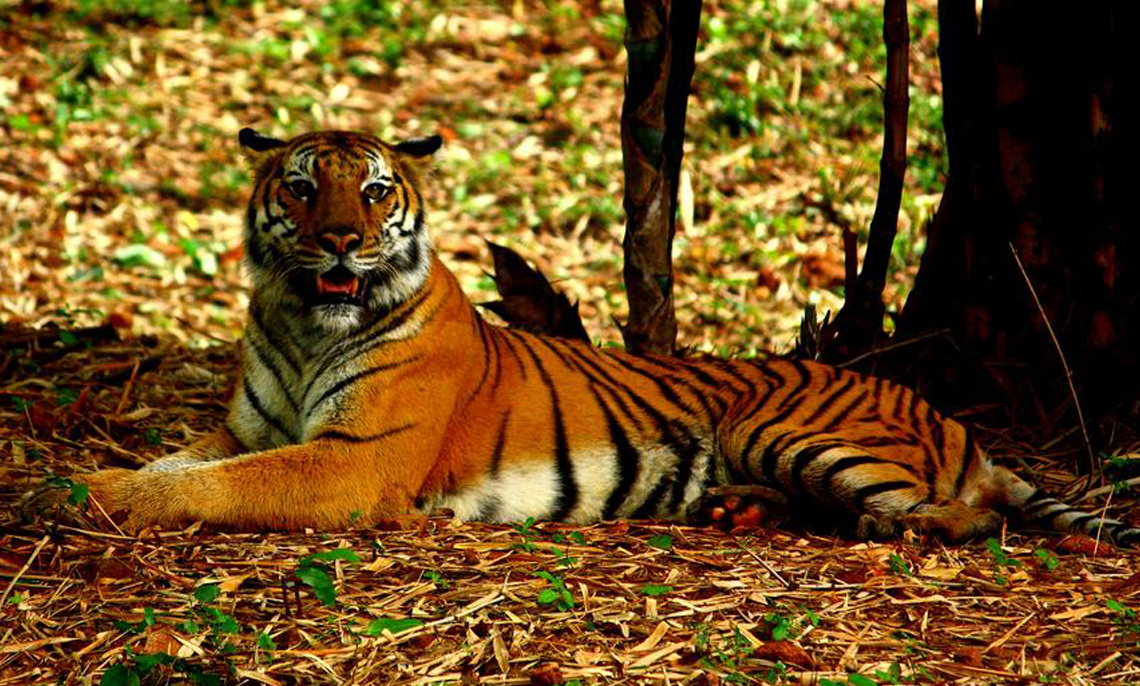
(334, 229)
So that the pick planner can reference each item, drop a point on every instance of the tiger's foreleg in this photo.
(321, 484)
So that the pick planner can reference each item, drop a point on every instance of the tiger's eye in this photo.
(375, 191)
(301, 188)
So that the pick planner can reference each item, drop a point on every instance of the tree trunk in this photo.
(1042, 137)
(660, 40)
(859, 325)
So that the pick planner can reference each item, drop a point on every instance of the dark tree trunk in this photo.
(859, 325)
(1043, 149)
(660, 39)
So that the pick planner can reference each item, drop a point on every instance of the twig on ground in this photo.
(27, 565)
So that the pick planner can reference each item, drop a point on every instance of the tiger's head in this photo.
(334, 230)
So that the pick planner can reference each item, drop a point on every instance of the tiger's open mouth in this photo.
(339, 286)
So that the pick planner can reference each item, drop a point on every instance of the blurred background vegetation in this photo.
(121, 185)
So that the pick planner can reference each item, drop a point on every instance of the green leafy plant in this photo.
(395, 626)
(898, 565)
(725, 656)
(438, 579)
(139, 626)
(135, 667)
(661, 541)
(1004, 562)
(556, 593)
(1125, 618)
(312, 571)
(77, 492)
(529, 535)
(1047, 559)
(654, 590)
(266, 643)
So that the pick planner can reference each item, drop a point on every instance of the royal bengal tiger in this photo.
(373, 389)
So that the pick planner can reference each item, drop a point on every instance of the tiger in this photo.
(371, 389)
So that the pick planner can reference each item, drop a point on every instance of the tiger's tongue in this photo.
(327, 286)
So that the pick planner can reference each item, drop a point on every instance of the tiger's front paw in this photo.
(124, 495)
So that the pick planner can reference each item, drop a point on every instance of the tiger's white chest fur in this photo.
(291, 387)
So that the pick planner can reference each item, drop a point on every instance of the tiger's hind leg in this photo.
(952, 521)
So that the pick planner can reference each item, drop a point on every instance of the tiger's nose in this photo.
(340, 240)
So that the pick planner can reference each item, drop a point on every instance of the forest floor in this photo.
(122, 301)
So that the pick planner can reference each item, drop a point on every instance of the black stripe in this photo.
(937, 438)
(385, 324)
(862, 494)
(1048, 517)
(255, 316)
(673, 435)
(510, 335)
(767, 372)
(648, 507)
(754, 435)
(500, 443)
(663, 388)
(932, 471)
(915, 404)
(843, 415)
(424, 322)
(241, 444)
(263, 358)
(348, 380)
(773, 451)
(850, 462)
(628, 460)
(269, 418)
(498, 354)
(1079, 523)
(568, 491)
(481, 330)
(969, 456)
(804, 457)
(683, 472)
(876, 389)
(793, 397)
(333, 435)
(824, 404)
(587, 356)
(699, 373)
(730, 368)
(404, 213)
(900, 397)
(676, 376)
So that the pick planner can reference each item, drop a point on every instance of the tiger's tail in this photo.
(1038, 508)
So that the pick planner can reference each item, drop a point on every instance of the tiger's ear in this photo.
(419, 147)
(416, 154)
(257, 148)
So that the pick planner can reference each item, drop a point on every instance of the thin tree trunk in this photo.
(660, 40)
(860, 323)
